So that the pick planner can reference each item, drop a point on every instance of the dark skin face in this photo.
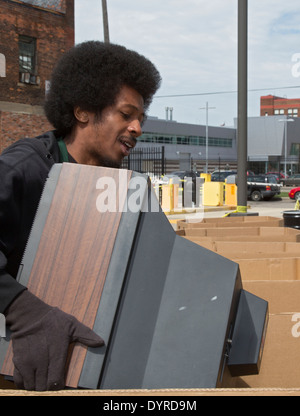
(105, 141)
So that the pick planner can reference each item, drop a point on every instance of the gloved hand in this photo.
(40, 336)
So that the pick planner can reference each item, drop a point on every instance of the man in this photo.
(97, 102)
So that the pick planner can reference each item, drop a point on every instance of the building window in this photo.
(281, 111)
(295, 112)
(27, 60)
(276, 112)
(185, 140)
(295, 149)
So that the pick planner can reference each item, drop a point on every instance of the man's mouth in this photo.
(127, 145)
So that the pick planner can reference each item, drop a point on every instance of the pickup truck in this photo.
(262, 187)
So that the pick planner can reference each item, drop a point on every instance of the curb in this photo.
(195, 210)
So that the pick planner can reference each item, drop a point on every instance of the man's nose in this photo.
(135, 128)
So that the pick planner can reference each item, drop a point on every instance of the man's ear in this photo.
(81, 115)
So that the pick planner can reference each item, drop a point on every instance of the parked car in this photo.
(295, 193)
(293, 180)
(262, 187)
(220, 176)
(279, 176)
(274, 176)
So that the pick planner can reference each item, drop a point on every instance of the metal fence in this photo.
(150, 161)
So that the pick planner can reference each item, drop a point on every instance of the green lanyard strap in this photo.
(64, 157)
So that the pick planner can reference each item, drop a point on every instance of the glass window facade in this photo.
(185, 140)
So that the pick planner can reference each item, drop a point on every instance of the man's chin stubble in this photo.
(108, 163)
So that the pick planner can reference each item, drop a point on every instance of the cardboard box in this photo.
(280, 368)
(245, 238)
(218, 231)
(250, 249)
(254, 249)
(146, 395)
(251, 221)
(182, 225)
(259, 232)
(281, 359)
(241, 234)
(250, 256)
(283, 296)
(270, 269)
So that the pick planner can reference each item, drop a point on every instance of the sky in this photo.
(193, 44)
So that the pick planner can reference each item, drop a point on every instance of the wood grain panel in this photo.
(74, 250)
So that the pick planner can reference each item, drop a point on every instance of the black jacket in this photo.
(24, 167)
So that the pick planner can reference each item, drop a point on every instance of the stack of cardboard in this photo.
(269, 257)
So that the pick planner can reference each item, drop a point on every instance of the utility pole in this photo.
(242, 130)
(206, 157)
(285, 121)
(105, 21)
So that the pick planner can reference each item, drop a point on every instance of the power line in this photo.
(223, 92)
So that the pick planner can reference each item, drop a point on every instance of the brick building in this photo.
(33, 35)
(271, 105)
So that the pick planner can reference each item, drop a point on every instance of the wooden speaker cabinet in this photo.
(170, 311)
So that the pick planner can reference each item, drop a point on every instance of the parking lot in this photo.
(274, 207)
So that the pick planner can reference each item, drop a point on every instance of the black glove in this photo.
(41, 335)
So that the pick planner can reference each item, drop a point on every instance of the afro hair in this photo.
(91, 75)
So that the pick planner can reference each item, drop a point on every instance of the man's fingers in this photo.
(81, 333)
(18, 379)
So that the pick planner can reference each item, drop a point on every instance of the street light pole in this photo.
(206, 150)
(285, 148)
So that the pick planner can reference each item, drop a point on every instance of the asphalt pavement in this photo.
(273, 208)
